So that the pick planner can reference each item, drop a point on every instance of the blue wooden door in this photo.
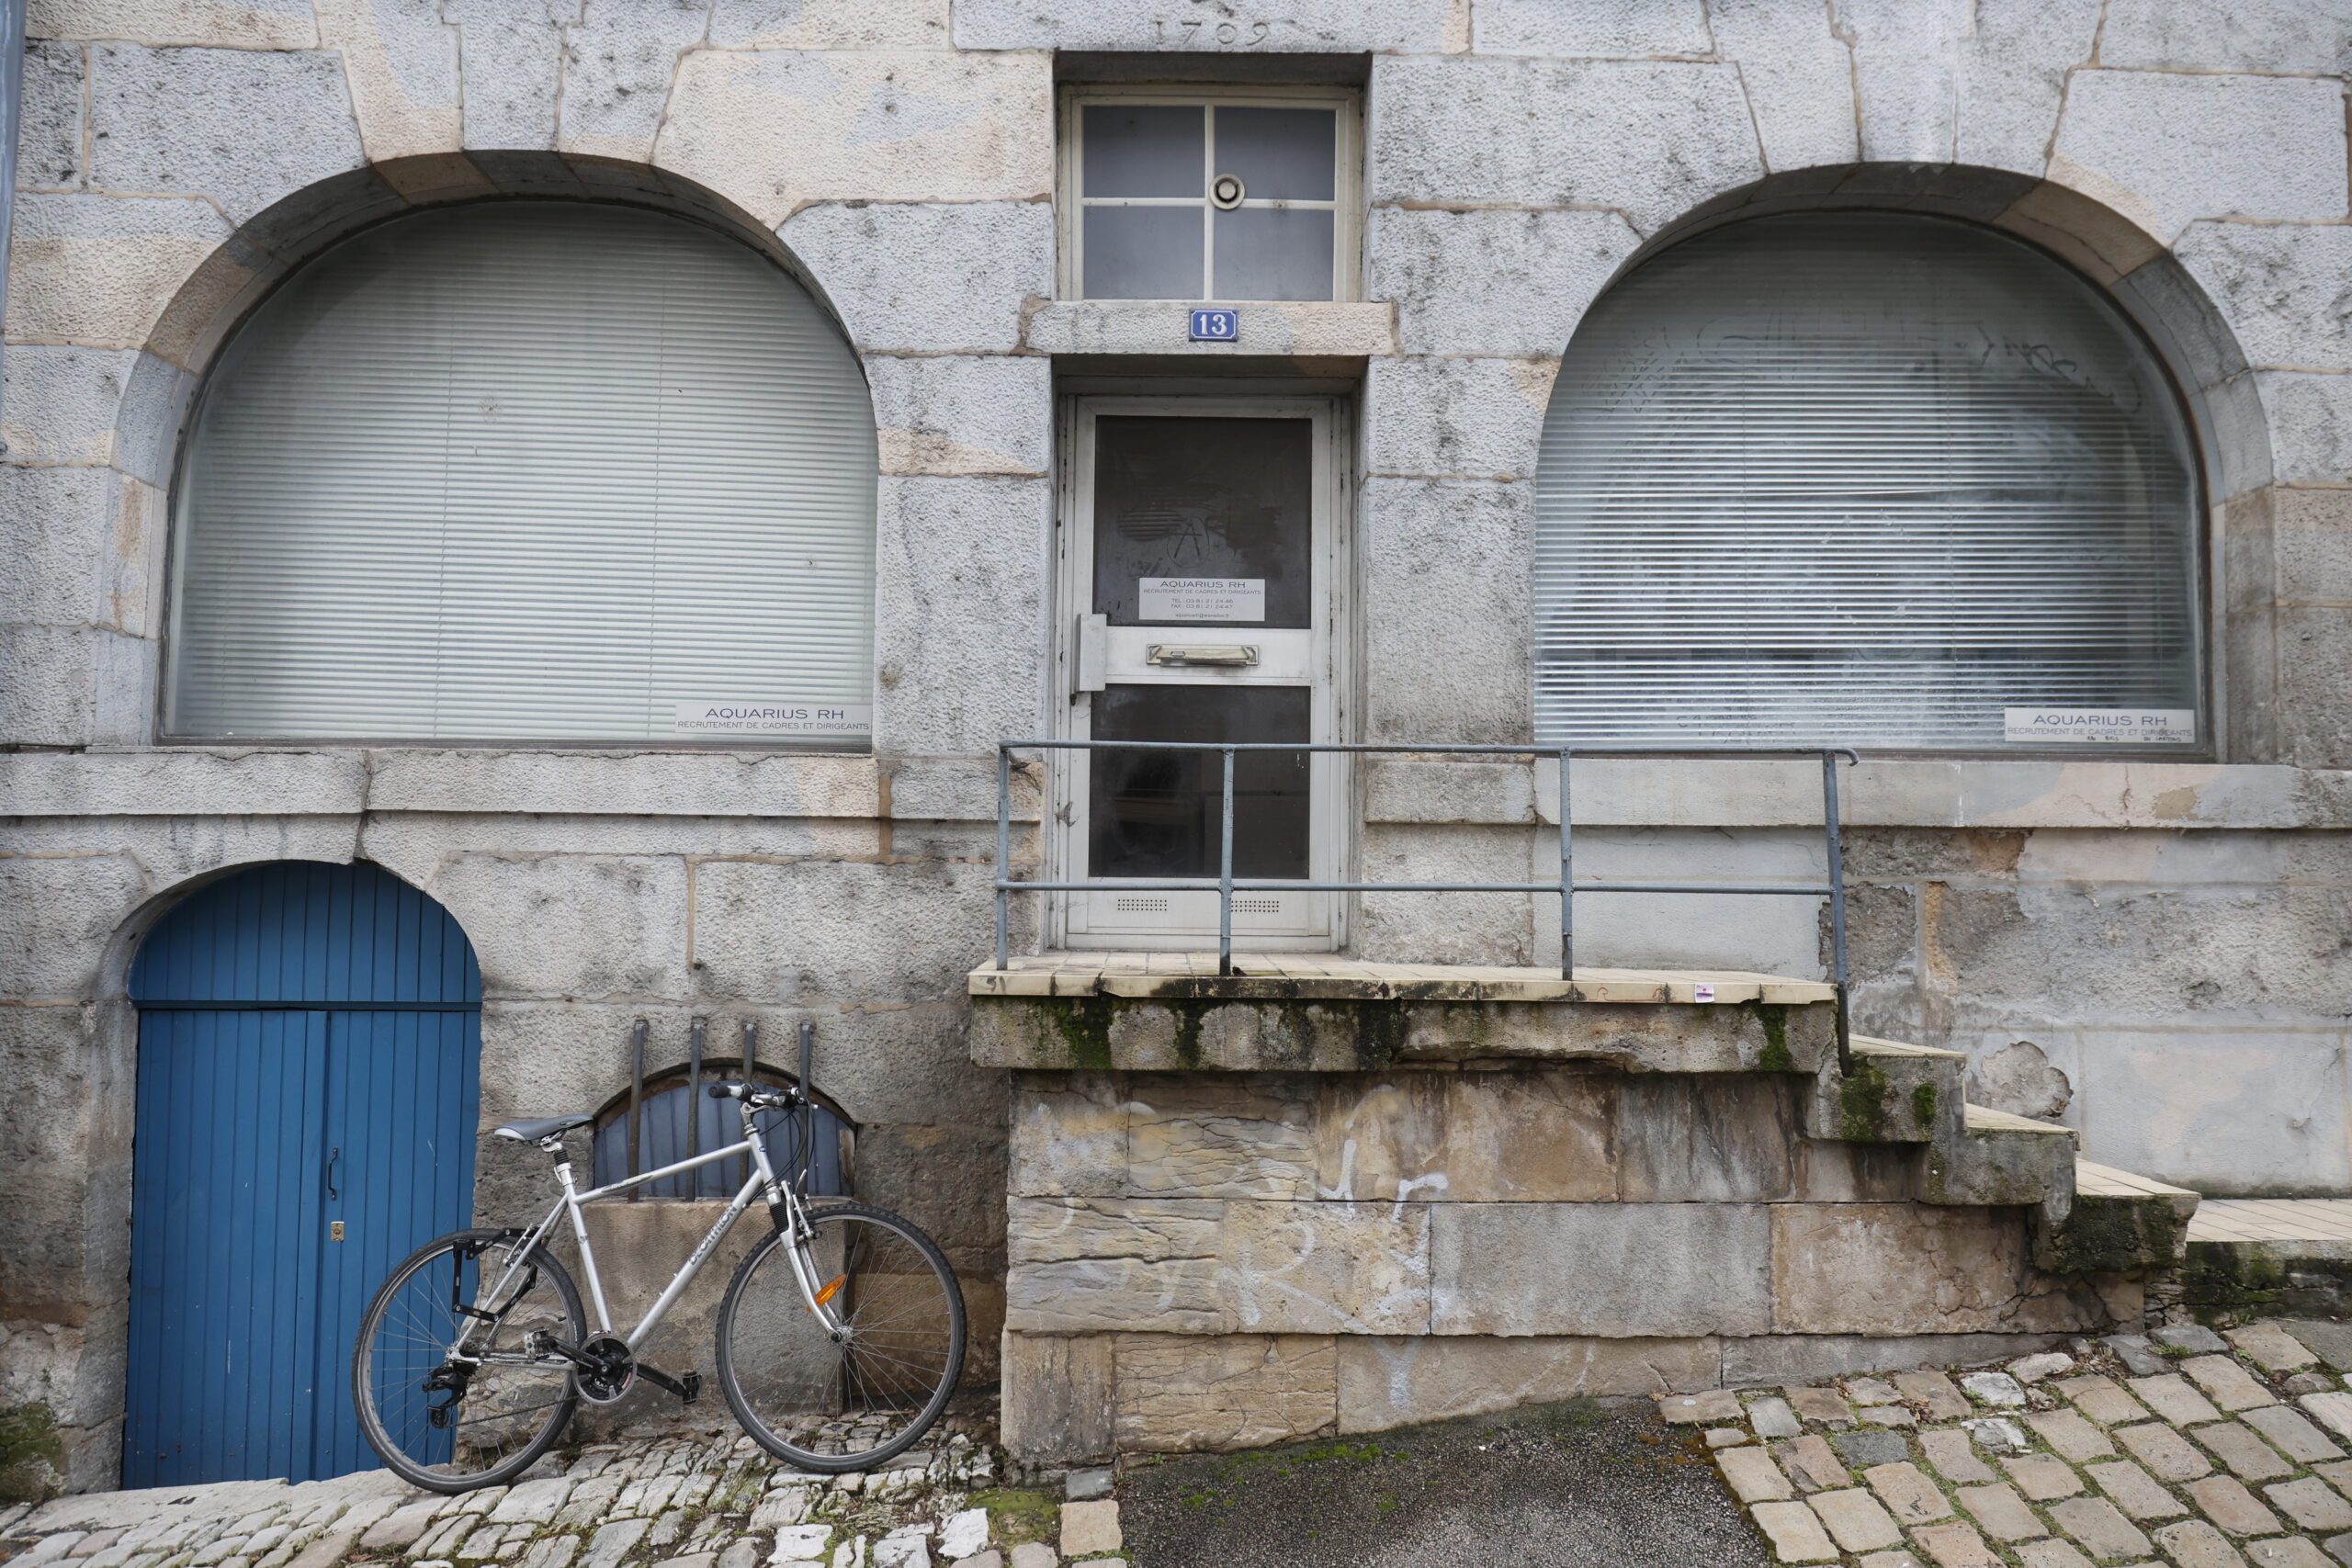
(309, 1037)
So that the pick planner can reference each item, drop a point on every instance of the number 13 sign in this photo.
(1215, 326)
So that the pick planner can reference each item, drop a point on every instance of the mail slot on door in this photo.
(1228, 653)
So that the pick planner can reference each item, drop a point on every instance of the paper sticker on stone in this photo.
(784, 718)
(1163, 599)
(2100, 727)
(1703, 993)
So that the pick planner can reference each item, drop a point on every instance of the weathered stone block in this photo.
(983, 261)
(1651, 138)
(1444, 567)
(98, 270)
(1069, 1135)
(964, 415)
(774, 130)
(1490, 281)
(2277, 288)
(62, 913)
(802, 931)
(246, 128)
(1536, 27)
(400, 64)
(962, 573)
(1905, 1269)
(1712, 1139)
(1799, 76)
(2280, 35)
(1385, 1383)
(1453, 418)
(2160, 150)
(1239, 1391)
(1057, 1398)
(48, 147)
(828, 24)
(624, 918)
(1313, 26)
(237, 24)
(1614, 1270)
(1468, 1137)
(1220, 1138)
(618, 62)
(1460, 928)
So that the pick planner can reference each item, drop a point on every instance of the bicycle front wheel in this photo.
(450, 1422)
(859, 1390)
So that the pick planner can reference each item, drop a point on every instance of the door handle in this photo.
(1224, 653)
(333, 1156)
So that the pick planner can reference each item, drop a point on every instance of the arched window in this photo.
(1870, 478)
(665, 1135)
(528, 470)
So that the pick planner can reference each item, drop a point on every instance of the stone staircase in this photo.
(2088, 1218)
(1319, 1195)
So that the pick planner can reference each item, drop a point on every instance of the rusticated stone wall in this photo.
(1203, 1260)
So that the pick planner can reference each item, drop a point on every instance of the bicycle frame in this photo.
(762, 1180)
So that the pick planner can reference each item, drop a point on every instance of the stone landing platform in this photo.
(1321, 1196)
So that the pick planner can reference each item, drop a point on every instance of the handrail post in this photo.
(1836, 847)
(1567, 888)
(1004, 852)
(1225, 877)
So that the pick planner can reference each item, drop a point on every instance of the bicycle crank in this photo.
(606, 1369)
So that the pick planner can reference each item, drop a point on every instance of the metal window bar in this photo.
(1566, 887)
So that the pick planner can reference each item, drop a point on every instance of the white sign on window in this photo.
(1201, 599)
(774, 718)
(2100, 727)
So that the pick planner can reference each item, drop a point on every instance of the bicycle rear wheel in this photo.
(453, 1424)
(831, 1401)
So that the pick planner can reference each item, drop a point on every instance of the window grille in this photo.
(1858, 479)
(527, 471)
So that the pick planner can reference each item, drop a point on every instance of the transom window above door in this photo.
(1196, 196)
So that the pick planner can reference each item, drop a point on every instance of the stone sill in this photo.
(1160, 326)
(1173, 1012)
(1877, 793)
(1291, 976)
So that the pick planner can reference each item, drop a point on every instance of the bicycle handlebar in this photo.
(761, 1098)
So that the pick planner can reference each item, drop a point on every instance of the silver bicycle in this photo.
(840, 1337)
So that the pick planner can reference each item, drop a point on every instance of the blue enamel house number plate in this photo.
(1215, 326)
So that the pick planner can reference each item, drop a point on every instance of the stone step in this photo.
(2281, 1255)
(2119, 1221)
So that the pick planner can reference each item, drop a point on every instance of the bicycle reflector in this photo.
(833, 1289)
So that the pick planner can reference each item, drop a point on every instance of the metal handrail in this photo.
(1566, 887)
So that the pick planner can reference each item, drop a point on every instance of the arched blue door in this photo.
(308, 1036)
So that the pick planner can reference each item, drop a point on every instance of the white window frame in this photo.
(1311, 923)
(1346, 204)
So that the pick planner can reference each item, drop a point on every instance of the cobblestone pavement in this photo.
(2191, 1448)
(711, 1499)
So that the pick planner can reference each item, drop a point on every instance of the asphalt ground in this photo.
(1592, 1484)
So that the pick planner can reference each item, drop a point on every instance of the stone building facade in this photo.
(2156, 949)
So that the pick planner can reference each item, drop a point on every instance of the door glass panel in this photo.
(1143, 253)
(1225, 504)
(1278, 154)
(1145, 150)
(1273, 253)
(1159, 813)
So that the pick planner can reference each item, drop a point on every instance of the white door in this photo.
(1199, 590)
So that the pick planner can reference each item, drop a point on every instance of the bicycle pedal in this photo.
(690, 1388)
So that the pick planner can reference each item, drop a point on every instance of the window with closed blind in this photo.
(1873, 479)
(529, 470)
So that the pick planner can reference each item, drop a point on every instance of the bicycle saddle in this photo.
(546, 1127)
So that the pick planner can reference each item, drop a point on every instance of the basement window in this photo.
(1194, 196)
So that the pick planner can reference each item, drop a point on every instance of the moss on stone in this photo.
(1188, 1016)
(1016, 1517)
(1923, 1107)
(1083, 1023)
(1863, 1101)
(1774, 1018)
(1380, 1033)
(32, 1455)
